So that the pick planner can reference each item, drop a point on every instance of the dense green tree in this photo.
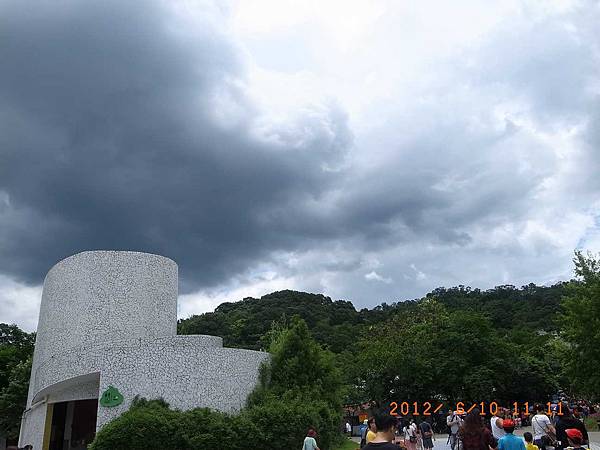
(451, 356)
(13, 398)
(337, 325)
(16, 346)
(507, 323)
(299, 363)
(16, 351)
(302, 385)
(581, 325)
(243, 324)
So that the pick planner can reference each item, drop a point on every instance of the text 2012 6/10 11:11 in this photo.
(492, 408)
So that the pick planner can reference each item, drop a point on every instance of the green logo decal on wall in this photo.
(111, 397)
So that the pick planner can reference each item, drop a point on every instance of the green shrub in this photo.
(150, 425)
(285, 420)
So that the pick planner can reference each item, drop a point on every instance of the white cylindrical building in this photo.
(109, 319)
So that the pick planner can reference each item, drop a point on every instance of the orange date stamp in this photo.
(460, 408)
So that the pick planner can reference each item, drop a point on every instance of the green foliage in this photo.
(347, 444)
(16, 351)
(284, 421)
(13, 398)
(149, 425)
(581, 325)
(456, 356)
(300, 364)
(299, 389)
(15, 346)
(530, 307)
(244, 324)
(524, 319)
(513, 327)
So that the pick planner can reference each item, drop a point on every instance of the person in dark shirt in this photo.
(386, 426)
(426, 435)
(474, 435)
(565, 422)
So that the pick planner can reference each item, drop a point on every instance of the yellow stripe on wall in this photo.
(48, 426)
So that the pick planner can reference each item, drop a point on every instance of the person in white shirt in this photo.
(410, 436)
(454, 422)
(348, 428)
(540, 426)
(310, 442)
(496, 424)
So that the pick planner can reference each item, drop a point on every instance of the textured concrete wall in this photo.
(218, 378)
(109, 318)
(32, 426)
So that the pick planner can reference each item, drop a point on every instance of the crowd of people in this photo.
(470, 431)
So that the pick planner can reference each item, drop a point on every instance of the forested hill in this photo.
(337, 324)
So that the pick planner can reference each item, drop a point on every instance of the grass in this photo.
(347, 445)
(591, 424)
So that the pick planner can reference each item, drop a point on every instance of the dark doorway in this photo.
(73, 425)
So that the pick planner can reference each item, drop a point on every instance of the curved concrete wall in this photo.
(110, 318)
(102, 296)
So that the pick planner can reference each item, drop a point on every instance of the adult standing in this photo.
(410, 436)
(368, 434)
(310, 443)
(496, 423)
(474, 435)
(565, 422)
(364, 428)
(541, 426)
(454, 422)
(419, 437)
(426, 434)
(372, 430)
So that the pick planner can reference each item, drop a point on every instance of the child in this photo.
(529, 445)
(510, 441)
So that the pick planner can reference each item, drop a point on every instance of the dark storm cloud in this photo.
(124, 127)
(109, 140)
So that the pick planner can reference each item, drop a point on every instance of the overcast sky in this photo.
(368, 150)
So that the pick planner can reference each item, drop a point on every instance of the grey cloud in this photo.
(452, 168)
(109, 139)
(115, 133)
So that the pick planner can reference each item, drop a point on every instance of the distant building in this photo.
(108, 332)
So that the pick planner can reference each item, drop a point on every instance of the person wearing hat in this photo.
(510, 441)
(575, 438)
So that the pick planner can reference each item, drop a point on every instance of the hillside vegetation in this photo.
(337, 325)
(449, 344)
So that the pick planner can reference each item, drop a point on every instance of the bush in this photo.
(148, 425)
(285, 420)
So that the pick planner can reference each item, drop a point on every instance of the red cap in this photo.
(574, 433)
(508, 423)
